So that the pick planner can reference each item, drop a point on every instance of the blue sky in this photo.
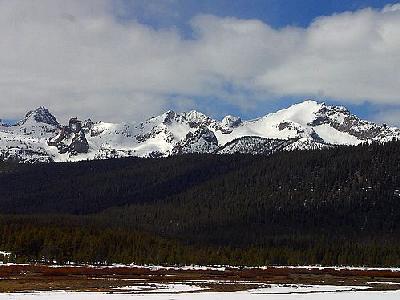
(125, 60)
(161, 14)
(277, 13)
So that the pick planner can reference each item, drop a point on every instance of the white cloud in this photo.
(351, 56)
(78, 59)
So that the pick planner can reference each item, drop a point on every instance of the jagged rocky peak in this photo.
(313, 113)
(193, 118)
(196, 118)
(40, 115)
(75, 125)
(79, 142)
(166, 118)
(331, 113)
(169, 116)
(341, 119)
(87, 124)
(231, 121)
(71, 138)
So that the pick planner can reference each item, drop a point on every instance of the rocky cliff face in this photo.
(71, 138)
(202, 140)
(307, 125)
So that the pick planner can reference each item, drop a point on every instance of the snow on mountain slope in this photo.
(27, 140)
(307, 125)
(290, 123)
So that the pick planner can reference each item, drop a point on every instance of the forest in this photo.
(337, 206)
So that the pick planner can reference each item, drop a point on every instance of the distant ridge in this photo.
(39, 137)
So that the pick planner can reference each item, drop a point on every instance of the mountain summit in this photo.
(306, 125)
(39, 115)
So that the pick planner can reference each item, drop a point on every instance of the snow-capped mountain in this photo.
(307, 125)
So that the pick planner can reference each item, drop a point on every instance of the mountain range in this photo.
(39, 137)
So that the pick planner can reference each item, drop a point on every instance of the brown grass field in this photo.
(36, 277)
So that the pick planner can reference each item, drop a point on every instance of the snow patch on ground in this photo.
(310, 294)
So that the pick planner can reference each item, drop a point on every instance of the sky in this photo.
(120, 60)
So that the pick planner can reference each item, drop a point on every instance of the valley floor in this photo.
(42, 282)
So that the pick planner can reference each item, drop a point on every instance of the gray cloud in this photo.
(78, 59)
(389, 116)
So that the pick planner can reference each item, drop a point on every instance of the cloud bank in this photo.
(78, 58)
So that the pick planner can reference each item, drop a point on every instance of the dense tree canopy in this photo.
(333, 206)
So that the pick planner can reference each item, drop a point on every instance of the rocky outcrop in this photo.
(71, 138)
(203, 140)
(79, 144)
(342, 120)
(231, 121)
